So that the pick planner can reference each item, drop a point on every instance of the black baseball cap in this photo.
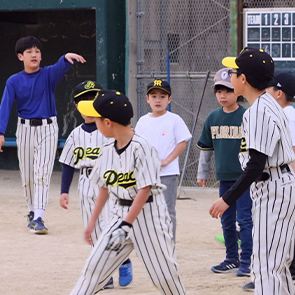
(284, 81)
(85, 87)
(253, 62)
(159, 84)
(110, 104)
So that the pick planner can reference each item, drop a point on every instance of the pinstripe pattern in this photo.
(266, 130)
(36, 148)
(81, 151)
(265, 127)
(151, 235)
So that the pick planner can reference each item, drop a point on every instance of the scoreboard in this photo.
(272, 29)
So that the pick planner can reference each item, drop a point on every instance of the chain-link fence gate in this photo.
(196, 34)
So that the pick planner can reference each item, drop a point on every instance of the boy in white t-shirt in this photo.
(168, 133)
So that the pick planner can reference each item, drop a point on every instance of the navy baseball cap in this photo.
(253, 62)
(86, 87)
(284, 81)
(110, 104)
(159, 84)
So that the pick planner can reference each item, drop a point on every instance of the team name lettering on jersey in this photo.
(125, 180)
(234, 132)
(89, 153)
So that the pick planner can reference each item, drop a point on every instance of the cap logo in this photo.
(224, 75)
(89, 85)
(279, 85)
(157, 83)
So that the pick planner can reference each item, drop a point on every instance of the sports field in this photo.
(51, 264)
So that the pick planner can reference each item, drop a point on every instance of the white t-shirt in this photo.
(164, 133)
(290, 113)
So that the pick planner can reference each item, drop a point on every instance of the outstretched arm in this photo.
(71, 57)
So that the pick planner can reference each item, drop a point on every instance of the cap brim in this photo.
(224, 83)
(230, 62)
(157, 87)
(86, 108)
(88, 90)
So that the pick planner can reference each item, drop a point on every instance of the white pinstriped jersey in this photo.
(81, 151)
(137, 167)
(265, 128)
(82, 148)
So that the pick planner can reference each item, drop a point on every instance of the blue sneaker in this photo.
(244, 271)
(226, 266)
(37, 226)
(125, 274)
(30, 217)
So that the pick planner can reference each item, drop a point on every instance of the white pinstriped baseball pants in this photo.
(151, 237)
(273, 235)
(87, 195)
(36, 149)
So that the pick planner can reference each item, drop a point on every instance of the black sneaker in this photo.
(249, 287)
(108, 285)
(226, 266)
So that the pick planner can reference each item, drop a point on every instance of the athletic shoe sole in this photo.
(39, 232)
(225, 271)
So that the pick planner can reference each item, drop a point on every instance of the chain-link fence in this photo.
(182, 41)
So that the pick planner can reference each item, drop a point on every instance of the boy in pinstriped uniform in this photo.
(81, 150)
(37, 129)
(127, 169)
(266, 157)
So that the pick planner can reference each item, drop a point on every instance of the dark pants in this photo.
(241, 212)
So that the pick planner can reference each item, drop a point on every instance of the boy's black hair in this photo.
(222, 87)
(260, 85)
(288, 97)
(26, 43)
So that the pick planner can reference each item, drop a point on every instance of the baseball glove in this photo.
(119, 237)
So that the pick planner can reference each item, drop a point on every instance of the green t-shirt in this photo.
(222, 133)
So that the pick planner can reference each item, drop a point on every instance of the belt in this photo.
(86, 171)
(128, 203)
(274, 173)
(36, 122)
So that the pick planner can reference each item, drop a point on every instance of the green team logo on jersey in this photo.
(88, 153)
(125, 180)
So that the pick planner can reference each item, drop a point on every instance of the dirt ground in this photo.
(51, 264)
